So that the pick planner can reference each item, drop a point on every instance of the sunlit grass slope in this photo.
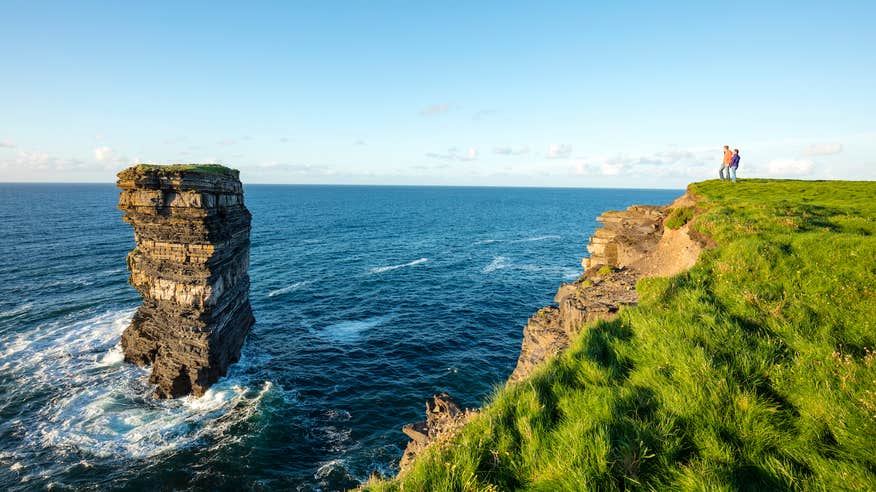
(755, 370)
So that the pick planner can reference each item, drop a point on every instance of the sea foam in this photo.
(395, 267)
(498, 263)
(289, 288)
(352, 330)
(101, 407)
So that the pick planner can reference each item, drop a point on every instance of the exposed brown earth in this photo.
(631, 244)
(190, 264)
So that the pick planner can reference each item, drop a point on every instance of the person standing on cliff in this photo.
(725, 164)
(734, 163)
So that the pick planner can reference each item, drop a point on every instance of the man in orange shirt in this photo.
(725, 165)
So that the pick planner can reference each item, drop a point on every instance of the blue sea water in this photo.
(368, 300)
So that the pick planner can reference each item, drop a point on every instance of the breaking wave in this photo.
(395, 267)
(503, 262)
(539, 238)
(525, 240)
(289, 288)
(498, 263)
(98, 406)
(350, 331)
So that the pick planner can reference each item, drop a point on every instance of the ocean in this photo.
(368, 300)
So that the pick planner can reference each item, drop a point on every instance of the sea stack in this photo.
(190, 264)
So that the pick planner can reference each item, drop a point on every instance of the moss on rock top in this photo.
(215, 169)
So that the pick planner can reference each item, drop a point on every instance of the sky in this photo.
(573, 94)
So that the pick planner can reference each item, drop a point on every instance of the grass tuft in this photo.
(678, 217)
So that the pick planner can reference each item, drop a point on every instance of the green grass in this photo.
(678, 217)
(195, 168)
(755, 370)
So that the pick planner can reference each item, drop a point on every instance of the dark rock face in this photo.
(596, 295)
(190, 264)
(444, 416)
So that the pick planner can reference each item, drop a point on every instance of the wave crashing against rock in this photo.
(191, 265)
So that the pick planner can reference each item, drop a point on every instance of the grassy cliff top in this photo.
(755, 370)
(215, 169)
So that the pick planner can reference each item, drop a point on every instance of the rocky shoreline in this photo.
(631, 244)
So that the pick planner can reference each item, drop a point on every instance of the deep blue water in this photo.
(368, 300)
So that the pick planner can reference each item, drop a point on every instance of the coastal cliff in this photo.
(190, 264)
(630, 244)
(753, 369)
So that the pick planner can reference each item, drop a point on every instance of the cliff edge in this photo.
(190, 264)
(641, 241)
(752, 370)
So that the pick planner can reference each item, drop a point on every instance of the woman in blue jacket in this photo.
(734, 163)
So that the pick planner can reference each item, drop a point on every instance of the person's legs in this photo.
(733, 173)
(721, 172)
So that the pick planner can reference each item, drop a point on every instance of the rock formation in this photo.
(626, 236)
(631, 244)
(190, 264)
(443, 417)
(598, 294)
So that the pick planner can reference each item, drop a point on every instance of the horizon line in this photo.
(369, 185)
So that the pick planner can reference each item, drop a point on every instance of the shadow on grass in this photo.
(601, 347)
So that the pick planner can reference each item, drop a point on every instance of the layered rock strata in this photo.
(626, 236)
(190, 264)
(596, 295)
(630, 244)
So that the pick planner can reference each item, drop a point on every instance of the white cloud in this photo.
(559, 151)
(103, 154)
(296, 169)
(454, 154)
(662, 164)
(6, 143)
(511, 150)
(435, 109)
(612, 168)
(40, 161)
(227, 141)
(823, 149)
(109, 158)
(789, 167)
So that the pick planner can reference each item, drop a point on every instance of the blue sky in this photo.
(619, 94)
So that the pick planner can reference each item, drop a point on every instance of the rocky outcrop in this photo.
(598, 294)
(190, 264)
(626, 236)
(444, 416)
